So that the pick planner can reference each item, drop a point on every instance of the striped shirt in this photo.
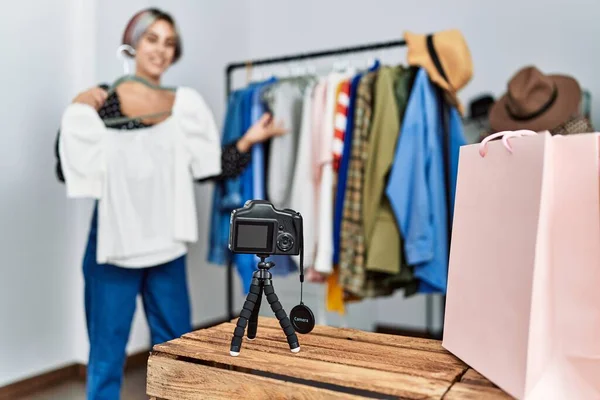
(341, 114)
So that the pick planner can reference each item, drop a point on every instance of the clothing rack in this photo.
(335, 52)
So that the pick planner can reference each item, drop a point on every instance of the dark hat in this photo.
(480, 106)
(536, 102)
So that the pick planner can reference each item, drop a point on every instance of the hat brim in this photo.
(418, 55)
(564, 107)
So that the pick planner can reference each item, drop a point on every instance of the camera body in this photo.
(260, 228)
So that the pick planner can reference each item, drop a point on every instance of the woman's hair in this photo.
(141, 21)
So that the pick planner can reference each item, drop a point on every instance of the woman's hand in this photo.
(265, 128)
(94, 97)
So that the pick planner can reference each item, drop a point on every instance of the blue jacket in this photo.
(232, 193)
(258, 151)
(227, 194)
(245, 263)
(416, 186)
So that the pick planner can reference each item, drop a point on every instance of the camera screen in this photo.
(252, 236)
(255, 237)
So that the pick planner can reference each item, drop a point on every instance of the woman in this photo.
(111, 287)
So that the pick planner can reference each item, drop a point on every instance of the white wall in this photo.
(36, 301)
(43, 234)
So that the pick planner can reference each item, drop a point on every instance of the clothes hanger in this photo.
(133, 78)
(335, 67)
(348, 68)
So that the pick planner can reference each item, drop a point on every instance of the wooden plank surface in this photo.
(292, 365)
(348, 352)
(473, 377)
(370, 363)
(367, 337)
(467, 391)
(179, 380)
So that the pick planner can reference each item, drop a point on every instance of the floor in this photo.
(134, 388)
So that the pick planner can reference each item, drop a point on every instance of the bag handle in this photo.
(505, 136)
(517, 134)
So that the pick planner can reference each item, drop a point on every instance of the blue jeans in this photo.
(110, 301)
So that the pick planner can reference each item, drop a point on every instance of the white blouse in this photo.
(143, 178)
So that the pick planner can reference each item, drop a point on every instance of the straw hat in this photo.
(446, 58)
(536, 102)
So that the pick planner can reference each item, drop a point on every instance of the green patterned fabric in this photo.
(352, 246)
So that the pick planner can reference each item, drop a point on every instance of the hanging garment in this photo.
(340, 124)
(245, 263)
(336, 297)
(317, 120)
(352, 251)
(382, 238)
(247, 177)
(575, 125)
(416, 186)
(283, 264)
(405, 278)
(124, 171)
(335, 292)
(284, 99)
(340, 189)
(245, 107)
(258, 149)
(476, 129)
(384, 270)
(324, 255)
(302, 195)
(227, 194)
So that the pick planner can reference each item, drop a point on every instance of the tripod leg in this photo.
(253, 323)
(238, 333)
(284, 321)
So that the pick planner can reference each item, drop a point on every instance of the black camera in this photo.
(259, 228)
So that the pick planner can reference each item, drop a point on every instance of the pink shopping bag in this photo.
(523, 301)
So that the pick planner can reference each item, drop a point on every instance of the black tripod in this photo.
(261, 282)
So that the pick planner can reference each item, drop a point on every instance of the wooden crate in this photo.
(333, 363)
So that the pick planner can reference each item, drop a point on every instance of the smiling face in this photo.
(156, 49)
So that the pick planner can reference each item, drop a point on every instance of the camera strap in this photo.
(302, 318)
(301, 269)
